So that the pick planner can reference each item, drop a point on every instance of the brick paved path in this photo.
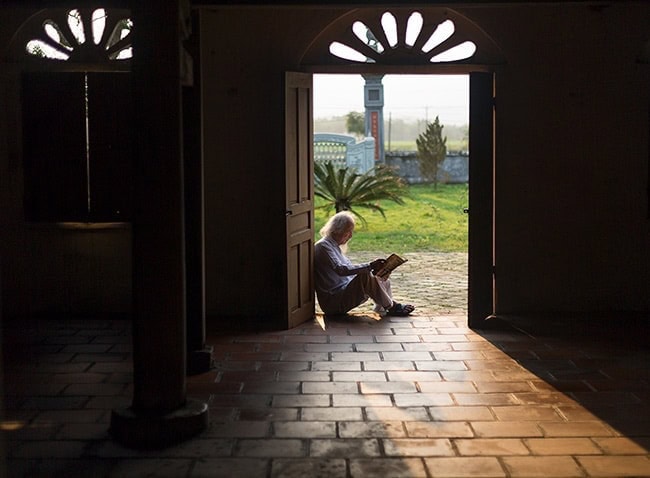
(435, 282)
(354, 397)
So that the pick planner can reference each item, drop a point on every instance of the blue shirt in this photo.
(333, 271)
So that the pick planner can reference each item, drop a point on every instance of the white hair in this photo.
(338, 224)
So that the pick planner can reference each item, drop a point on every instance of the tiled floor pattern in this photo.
(435, 282)
(422, 396)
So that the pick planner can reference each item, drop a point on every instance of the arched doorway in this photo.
(431, 41)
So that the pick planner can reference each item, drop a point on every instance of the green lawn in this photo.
(431, 220)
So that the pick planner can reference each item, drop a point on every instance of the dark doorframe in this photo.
(481, 268)
(481, 199)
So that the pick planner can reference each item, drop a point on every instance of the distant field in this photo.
(402, 133)
(431, 220)
(459, 145)
(401, 146)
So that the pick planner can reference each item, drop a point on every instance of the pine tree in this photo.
(432, 149)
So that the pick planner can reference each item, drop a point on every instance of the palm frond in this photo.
(346, 189)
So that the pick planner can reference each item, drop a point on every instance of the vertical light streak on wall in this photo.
(88, 204)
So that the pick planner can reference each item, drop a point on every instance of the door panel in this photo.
(111, 141)
(481, 199)
(54, 142)
(299, 198)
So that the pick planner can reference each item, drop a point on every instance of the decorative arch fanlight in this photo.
(402, 36)
(76, 36)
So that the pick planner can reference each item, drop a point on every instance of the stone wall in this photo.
(454, 168)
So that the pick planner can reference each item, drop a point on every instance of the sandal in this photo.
(400, 310)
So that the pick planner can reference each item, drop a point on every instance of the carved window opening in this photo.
(83, 36)
(76, 101)
(436, 42)
(371, 39)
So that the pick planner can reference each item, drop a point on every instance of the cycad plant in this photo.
(344, 189)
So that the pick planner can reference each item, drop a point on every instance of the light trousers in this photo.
(364, 286)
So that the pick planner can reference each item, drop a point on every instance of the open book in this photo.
(392, 262)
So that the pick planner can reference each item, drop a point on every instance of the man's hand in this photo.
(377, 264)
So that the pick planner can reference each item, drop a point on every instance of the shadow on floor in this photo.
(600, 362)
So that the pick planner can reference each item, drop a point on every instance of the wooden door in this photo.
(54, 146)
(110, 135)
(299, 209)
(481, 199)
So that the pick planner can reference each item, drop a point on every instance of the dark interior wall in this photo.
(244, 58)
(571, 154)
(50, 268)
(243, 168)
(572, 229)
(12, 18)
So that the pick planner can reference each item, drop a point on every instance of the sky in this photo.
(405, 97)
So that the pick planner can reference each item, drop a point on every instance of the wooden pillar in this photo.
(160, 413)
(199, 355)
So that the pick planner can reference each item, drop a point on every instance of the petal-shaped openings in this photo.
(345, 52)
(125, 54)
(110, 35)
(53, 31)
(119, 43)
(76, 26)
(413, 28)
(364, 34)
(459, 52)
(389, 24)
(99, 24)
(443, 31)
(422, 36)
(41, 49)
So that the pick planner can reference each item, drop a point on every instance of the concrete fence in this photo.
(344, 151)
(454, 168)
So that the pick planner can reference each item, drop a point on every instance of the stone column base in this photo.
(199, 361)
(140, 429)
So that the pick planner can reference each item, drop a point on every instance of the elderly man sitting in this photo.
(341, 285)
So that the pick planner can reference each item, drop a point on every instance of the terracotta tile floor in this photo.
(422, 396)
